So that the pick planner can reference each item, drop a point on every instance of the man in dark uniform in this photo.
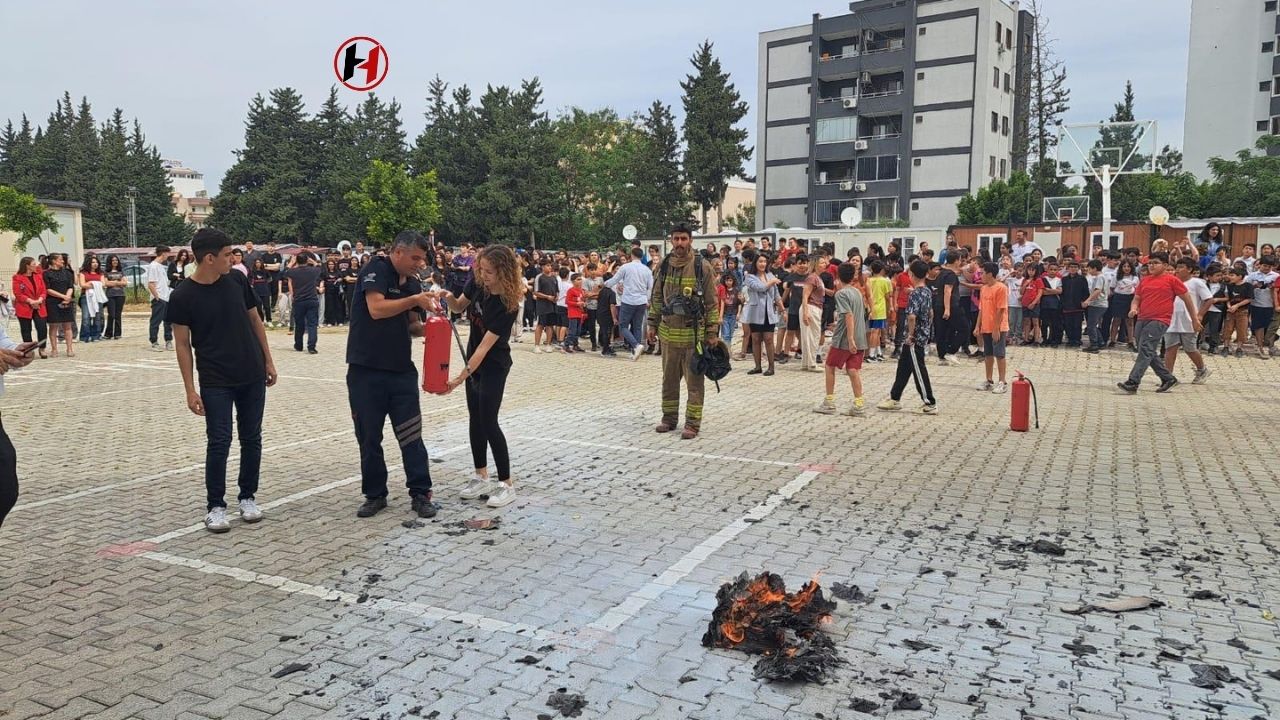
(381, 378)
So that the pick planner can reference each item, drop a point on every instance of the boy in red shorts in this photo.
(848, 343)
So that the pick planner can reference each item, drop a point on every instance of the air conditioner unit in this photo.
(866, 77)
(847, 186)
(860, 145)
(860, 187)
(822, 177)
(850, 103)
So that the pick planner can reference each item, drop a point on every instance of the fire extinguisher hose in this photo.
(1035, 403)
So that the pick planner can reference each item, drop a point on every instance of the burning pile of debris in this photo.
(759, 617)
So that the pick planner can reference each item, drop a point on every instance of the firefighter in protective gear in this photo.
(684, 316)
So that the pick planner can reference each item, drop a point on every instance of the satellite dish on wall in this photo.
(344, 245)
(629, 233)
(850, 217)
(1158, 215)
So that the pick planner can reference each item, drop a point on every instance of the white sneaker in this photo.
(249, 511)
(928, 409)
(889, 404)
(825, 408)
(216, 520)
(537, 348)
(477, 487)
(856, 410)
(1201, 376)
(948, 360)
(1000, 388)
(156, 346)
(502, 496)
(636, 352)
(168, 345)
(985, 386)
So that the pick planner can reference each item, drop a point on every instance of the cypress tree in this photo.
(715, 149)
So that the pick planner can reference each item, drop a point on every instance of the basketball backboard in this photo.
(1127, 148)
(1068, 209)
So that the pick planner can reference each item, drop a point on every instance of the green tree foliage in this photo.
(267, 194)
(598, 156)
(450, 145)
(71, 158)
(661, 200)
(1048, 98)
(389, 200)
(744, 220)
(1246, 186)
(714, 145)
(1001, 202)
(21, 214)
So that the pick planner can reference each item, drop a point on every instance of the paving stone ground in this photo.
(114, 603)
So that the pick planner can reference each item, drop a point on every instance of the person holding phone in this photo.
(12, 357)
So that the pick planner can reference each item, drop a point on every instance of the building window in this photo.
(1275, 86)
(923, 29)
(995, 122)
(991, 170)
(1004, 168)
(1264, 86)
(907, 245)
(1117, 241)
(991, 244)
(919, 76)
(919, 119)
(1269, 46)
(877, 167)
(1008, 82)
(1004, 125)
(827, 212)
(1008, 38)
(917, 162)
(1275, 126)
(1269, 6)
(915, 206)
(1262, 126)
(999, 32)
(878, 209)
(995, 77)
(838, 129)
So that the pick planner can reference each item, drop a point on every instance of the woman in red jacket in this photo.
(28, 301)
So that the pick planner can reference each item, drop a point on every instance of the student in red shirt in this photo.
(901, 292)
(576, 300)
(1153, 308)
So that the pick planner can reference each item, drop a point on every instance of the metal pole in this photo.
(132, 194)
(1107, 181)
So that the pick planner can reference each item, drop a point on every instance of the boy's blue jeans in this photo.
(571, 337)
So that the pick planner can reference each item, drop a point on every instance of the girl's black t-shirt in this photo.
(487, 314)
(261, 281)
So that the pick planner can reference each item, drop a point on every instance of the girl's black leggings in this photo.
(484, 399)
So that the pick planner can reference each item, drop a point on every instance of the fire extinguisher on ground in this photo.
(1022, 400)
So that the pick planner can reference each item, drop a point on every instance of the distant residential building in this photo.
(1233, 80)
(190, 199)
(737, 194)
(898, 108)
(69, 238)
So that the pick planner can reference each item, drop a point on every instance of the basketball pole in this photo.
(1107, 181)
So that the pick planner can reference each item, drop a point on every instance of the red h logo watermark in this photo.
(360, 63)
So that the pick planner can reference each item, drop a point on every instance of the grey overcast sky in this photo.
(188, 70)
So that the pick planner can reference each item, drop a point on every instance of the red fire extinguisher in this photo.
(435, 354)
(1022, 400)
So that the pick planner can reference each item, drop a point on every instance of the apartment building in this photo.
(1233, 80)
(898, 108)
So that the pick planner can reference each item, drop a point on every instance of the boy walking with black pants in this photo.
(919, 328)
(215, 313)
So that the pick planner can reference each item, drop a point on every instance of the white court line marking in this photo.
(613, 619)
(46, 401)
(679, 453)
(415, 609)
(312, 379)
(300, 495)
(196, 466)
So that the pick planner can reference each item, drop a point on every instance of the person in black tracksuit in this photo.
(491, 299)
(382, 380)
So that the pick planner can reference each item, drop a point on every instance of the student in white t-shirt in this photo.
(1012, 278)
(1181, 332)
(156, 278)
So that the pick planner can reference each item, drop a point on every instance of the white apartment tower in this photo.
(1233, 80)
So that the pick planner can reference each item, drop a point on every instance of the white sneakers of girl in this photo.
(502, 496)
(477, 487)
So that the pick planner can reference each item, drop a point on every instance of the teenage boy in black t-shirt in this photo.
(216, 315)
